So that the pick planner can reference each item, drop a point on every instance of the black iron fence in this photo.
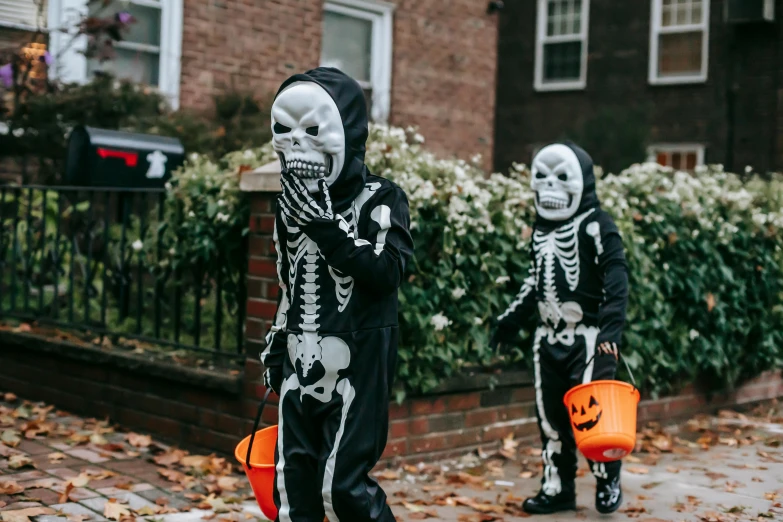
(107, 263)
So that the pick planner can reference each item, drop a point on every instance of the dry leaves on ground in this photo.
(114, 510)
(139, 441)
(23, 515)
(10, 487)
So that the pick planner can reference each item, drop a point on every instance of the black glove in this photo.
(503, 336)
(273, 378)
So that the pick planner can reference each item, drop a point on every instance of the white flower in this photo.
(168, 186)
(502, 280)
(191, 214)
(137, 245)
(748, 169)
(172, 251)
(440, 321)
(248, 154)
(458, 292)
(221, 203)
(695, 234)
(694, 334)
(418, 138)
(478, 321)
(666, 266)
(222, 217)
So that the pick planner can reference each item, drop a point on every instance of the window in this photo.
(20, 14)
(561, 44)
(149, 53)
(357, 39)
(679, 156)
(679, 37)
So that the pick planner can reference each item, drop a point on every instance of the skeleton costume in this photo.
(342, 240)
(578, 283)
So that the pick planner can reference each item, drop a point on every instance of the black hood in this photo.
(349, 97)
(589, 196)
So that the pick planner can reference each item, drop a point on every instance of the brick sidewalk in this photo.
(55, 465)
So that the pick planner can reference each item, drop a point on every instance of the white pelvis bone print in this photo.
(308, 133)
(557, 182)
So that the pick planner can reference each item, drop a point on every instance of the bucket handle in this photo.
(255, 427)
(624, 362)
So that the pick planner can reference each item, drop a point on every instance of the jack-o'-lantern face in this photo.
(586, 418)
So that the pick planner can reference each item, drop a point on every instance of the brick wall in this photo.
(212, 412)
(617, 79)
(443, 70)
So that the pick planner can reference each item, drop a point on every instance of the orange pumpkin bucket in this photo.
(603, 417)
(256, 453)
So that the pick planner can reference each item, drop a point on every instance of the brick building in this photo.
(428, 63)
(706, 83)
(686, 76)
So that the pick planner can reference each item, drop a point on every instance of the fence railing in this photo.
(103, 262)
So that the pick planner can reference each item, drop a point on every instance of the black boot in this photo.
(608, 495)
(543, 504)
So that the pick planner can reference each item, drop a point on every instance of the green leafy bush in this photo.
(706, 267)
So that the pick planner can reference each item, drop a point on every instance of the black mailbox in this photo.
(113, 159)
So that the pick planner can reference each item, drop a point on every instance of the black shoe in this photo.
(543, 504)
(608, 495)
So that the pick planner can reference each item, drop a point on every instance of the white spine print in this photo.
(594, 230)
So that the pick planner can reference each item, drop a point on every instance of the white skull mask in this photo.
(557, 182)
(308, 134)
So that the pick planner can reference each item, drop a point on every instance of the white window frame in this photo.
(669, 148)
(381, 15)
(542, 39)
(656, 29)
(71, 64)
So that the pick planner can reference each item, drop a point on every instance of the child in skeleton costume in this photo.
(578, 283)
(342, 240)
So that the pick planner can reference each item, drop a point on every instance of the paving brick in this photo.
(51, 518)
(24, 476)
(63, 473)
(45, 496)
(138, 488)
(96, 504)
(20, 505)
(85, 454)
(72, 508)
(34, 448)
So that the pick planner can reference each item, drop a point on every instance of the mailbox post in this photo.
(114, 159)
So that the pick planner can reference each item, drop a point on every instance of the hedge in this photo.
(704, 250)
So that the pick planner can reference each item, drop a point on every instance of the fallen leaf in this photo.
(195, 461)
(80, 480)
(56, 457)
(113, 510)
(715, 476)
(139, 441)
(710, 302)
(11, 438)
(672, 469)
(23, 515)
(20, 461)
(146, 511)
(66, 494)
(426, 513)
(10, 487)
(169, 458)
(9, 397)
(77, 518)
(172, 475)
(228, 483)
(637, 470)
(651, 485)
(388, 474)
(214, 503)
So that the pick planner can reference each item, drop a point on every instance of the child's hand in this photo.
(299, 205)
(609, 349)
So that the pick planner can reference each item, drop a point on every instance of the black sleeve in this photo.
(614, 270)
(378, 262)
(521, 313)
(276, 345)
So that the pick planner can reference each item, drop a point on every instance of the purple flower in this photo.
(7, 75)
(47, 58)
(124, 17)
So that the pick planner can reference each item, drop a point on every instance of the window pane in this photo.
(666, 15)
(662, 159)
(680, 53)
(140, 67)
(564, 17)
(146, 28)
(690, 161)
(347, 45)
(562, 61)
(677, 160)
(696, 12)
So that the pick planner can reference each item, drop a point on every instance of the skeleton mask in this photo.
(308, 134)
(557, 182)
